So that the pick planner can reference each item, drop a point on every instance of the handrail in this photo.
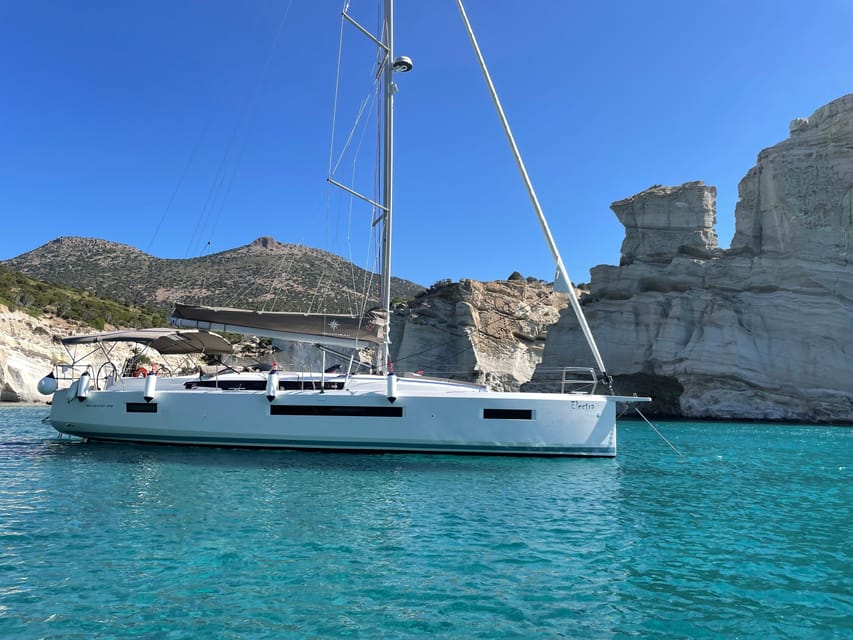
(577, 384)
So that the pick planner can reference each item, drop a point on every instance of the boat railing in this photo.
(67, 373)
(578, 380)
(107, 373)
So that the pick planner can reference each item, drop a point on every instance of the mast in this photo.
(391, 64)
(387, 183)
(387, 66)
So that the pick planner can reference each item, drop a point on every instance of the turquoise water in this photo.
(751, 536)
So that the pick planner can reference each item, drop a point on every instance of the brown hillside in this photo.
(264, 274)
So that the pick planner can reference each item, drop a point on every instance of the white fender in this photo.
(150, 387)
(47, 385)
(392, 387)
(272, 385)
(83, 386)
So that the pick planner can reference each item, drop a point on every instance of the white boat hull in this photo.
(463, 420)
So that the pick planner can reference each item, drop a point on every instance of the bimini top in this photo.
(167, 341)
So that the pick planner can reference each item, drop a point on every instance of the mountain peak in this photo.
(265, 242)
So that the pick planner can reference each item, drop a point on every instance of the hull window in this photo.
(142, 407)
(508, 414)
(323, 410)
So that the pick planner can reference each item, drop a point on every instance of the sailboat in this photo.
(376, 410)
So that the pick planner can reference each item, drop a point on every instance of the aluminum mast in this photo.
(387, 182)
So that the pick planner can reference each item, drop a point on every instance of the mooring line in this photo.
(660, 435)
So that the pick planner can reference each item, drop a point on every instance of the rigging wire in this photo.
(365, 102)
(351, 147)
(332, 135)
(204, 276)
(224, 178)
(361, 124)
(369, 272)
(337, 87)
(282, 273)
(190, 161)
(660, 435)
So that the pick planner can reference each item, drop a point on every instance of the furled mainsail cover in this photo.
(305, 327)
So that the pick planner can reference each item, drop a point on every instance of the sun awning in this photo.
(166, 340)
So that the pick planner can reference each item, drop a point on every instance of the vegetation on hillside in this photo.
(20, 292)
(264, 275)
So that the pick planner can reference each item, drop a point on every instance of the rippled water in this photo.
(750, 536)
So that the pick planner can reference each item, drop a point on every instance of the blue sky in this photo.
(191, 127)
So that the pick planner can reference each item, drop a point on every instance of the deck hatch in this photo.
(508, 414)
(141, 407)
(335, 410)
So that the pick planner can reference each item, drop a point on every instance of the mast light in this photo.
(403, 63)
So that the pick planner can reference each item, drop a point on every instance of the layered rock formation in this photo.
(758, 331)
(662, 220)
(490, 333)
(29, 347)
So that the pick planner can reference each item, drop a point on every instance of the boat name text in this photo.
(583, 406)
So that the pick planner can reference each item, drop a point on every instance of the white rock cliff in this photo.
(28, 349)
(758, 331)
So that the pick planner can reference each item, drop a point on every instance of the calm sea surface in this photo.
(751, 536)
